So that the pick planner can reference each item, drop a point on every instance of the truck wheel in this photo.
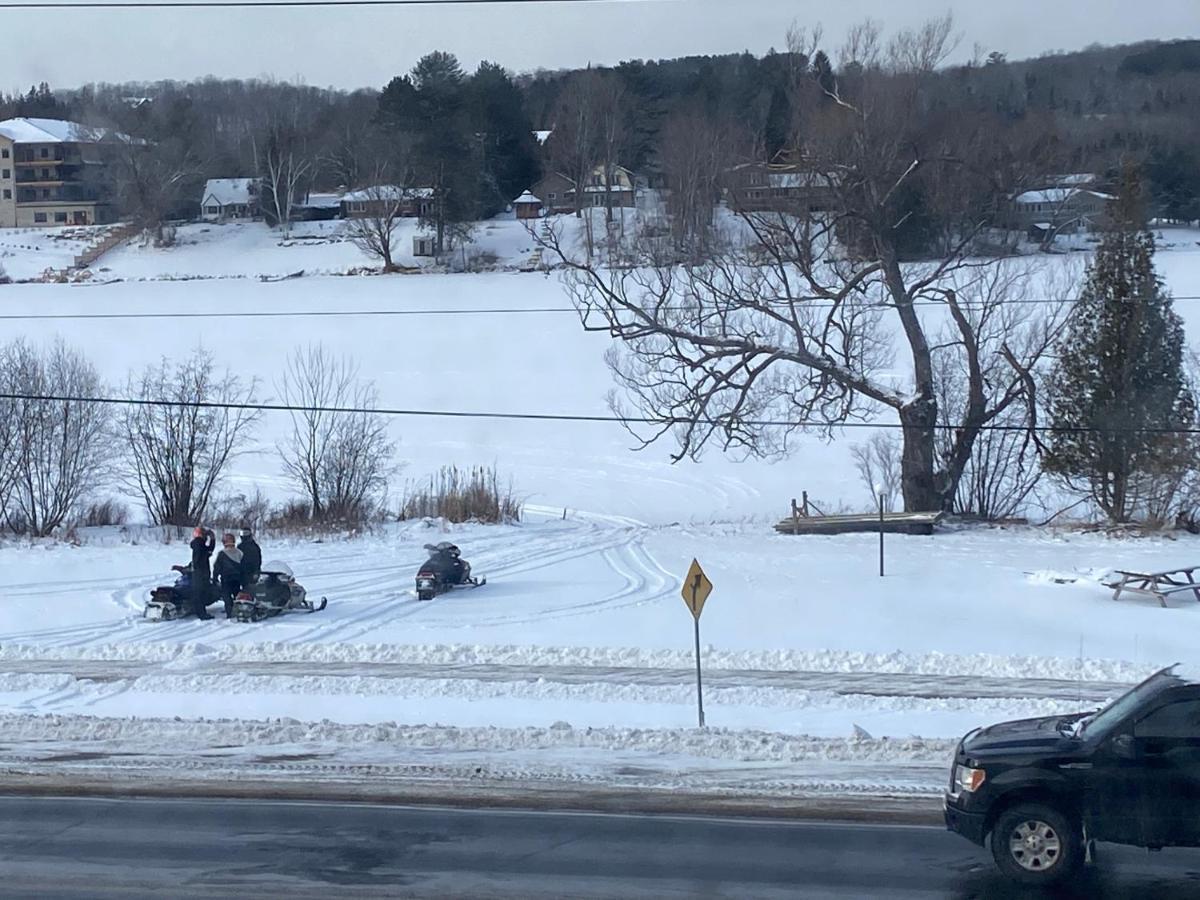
(1036, 844)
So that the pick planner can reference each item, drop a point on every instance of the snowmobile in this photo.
(444, 571)
(171, 601)
(274, 593)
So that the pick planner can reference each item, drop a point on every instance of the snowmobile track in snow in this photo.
(873, 684)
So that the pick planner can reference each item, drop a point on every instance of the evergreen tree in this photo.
(1119, 383)
(40, 103)
(430, 107)
(497, 114)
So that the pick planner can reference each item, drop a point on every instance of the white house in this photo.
(229, 198)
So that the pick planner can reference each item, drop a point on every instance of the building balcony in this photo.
(58, 195)
(53, 180)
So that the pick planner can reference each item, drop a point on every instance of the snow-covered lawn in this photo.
(577, 654)
(574, 662)
(252, 249)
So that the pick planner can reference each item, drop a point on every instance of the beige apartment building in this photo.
(52, 172)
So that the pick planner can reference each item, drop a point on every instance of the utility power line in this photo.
(268, 4)
(473, 311)
(552, 417)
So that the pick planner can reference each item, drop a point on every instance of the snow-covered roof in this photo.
(228, 191)
(318, 200)
(389, 192)
(542, 136)
(1056, 195)
(527, 197)
(1073, 180)
(48, 131)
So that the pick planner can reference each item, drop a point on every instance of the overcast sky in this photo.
(364, 47)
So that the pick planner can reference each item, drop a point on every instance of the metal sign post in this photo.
(696, 588)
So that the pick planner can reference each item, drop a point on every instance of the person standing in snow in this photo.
(227, 572)
(203, 544)
(251, 558)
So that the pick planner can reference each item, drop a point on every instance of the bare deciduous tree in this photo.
(796, 326)
(191, 421)
(151, 179)
(574, 144)
(695, 152)
(57, 447)
(341, 460)
(284, 164)
(373, 230)
(878, 464)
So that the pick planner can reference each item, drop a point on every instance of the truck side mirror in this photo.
(1123, 746)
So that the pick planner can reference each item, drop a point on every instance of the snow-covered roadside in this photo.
(747, 763)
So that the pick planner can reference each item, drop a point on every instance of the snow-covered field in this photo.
(573, 665)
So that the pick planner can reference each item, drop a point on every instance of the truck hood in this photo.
(1031, 735)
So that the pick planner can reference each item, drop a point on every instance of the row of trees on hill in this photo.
(467, 135)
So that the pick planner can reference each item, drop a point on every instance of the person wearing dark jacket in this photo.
(203, 543)
(251, 558)
(227, 572)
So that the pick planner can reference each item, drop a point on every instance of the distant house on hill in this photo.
(230, 199)
(557, 192)
(778, 186)
(387, 199)
(317, 206)
(1057, 210)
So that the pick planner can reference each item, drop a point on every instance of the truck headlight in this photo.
(967, 779)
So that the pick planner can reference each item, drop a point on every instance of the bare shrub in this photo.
(190, 423)
(341, 460)
(56, 449)
(878, 465)
(462, 495)
(106, 512)
(291, 515)
(240, 510)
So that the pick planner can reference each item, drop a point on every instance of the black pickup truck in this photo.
(1044, 790)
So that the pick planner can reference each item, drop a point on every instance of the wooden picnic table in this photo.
(1160, 585)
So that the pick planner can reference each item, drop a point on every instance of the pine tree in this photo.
(498, 117)
(430, 107)
(1119, 382)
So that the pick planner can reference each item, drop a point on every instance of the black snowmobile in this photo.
(445, 570)
(171, 601)
(274, 593)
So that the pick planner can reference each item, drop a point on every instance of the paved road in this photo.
(877, 684)
(69, 848)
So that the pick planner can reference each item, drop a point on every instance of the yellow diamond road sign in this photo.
(696, 588)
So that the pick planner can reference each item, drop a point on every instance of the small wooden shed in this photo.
(527, 206)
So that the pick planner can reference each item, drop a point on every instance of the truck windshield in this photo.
(1102, 722)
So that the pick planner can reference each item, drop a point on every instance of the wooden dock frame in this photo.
(802, 521)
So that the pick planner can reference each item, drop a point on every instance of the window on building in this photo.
(45, 153)
(45, 173)
(552, 195)
(213, 210)
(4, 153)
(5, 173)
(45, 193)
(7, 194)
(60, 217)
(39, 217)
